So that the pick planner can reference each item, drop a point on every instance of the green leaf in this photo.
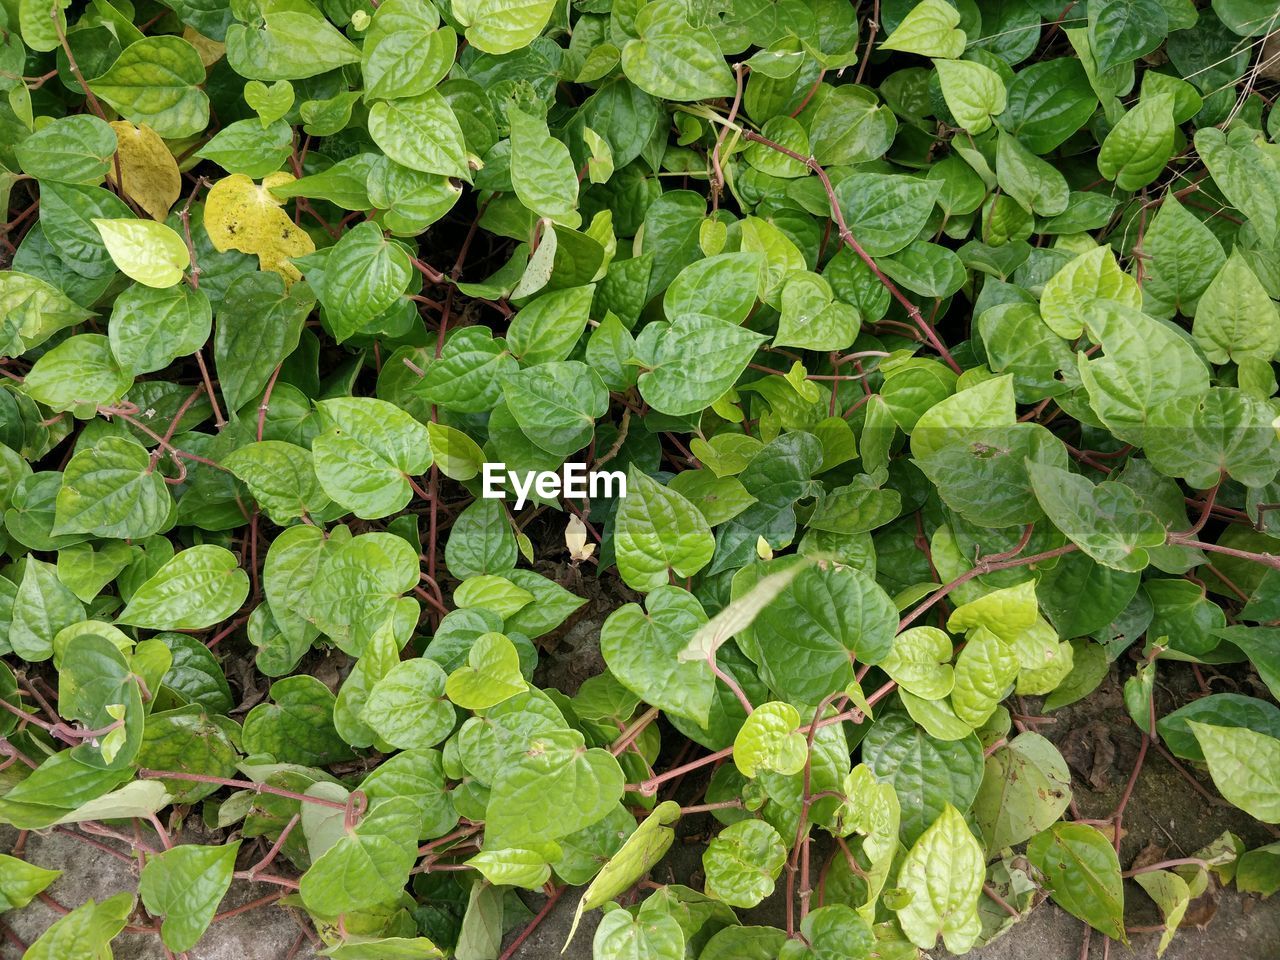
(1025, 788)
(811, 635)
(404, 54)
(199, 587)
(33, 311)
(367, 453)
(634, 858)
(112, 489)
(554, 788)
(1106, 521)
(742, 861)
(503, 26)
(920, 662)
(674, 386)
(1124, 30)
(1244, 765)
(549, 327)
(885, 212)
(21, 881)
(364, 275)
(984, 670)
(542, 172)
(1235, 318)
(1141, 143)
(286, 40)
(1172, 894)
(640, 646)
(1184, 257)
(974, 93)
(1036, 184)
(1247, 175)
(673, 59)
(78, 374)
(1093, 275)
(86, 932)
(369, 865)
(298, 726)
(75, 149)
(1145, 365)
(656, 530)
(1225, 431)
(769, 741)
(514, 867)
(156, 81)
(151, 327)
(620, 936)
(421, 133)
(281, 478)
(249, 147)
(926, 774)
(930, 29)
(184, 886)
(556, 404)
(42, 607)
(1083, 874)
(407, 706)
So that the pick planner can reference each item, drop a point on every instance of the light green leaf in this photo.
(503, 26)
(199, 587)
(1093, 275)
(1235, 318)
(491, 674)
(421, 133)
(742, 861)
(542, 172)
(930, 29)
(1245, 766)
(407, 706)
(554, 788)
(943, 871)
(770, 741)
(974, 93)
(920, 662)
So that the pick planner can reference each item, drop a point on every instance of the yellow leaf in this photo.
(211, 51)
(147, 167)
(241, 215)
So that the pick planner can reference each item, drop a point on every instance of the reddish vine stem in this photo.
(629, 735)
(533, 924)
(847, 237)
(984, 566)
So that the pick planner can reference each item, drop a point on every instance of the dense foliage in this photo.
(936, 344)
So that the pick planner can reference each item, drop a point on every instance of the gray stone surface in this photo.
(265, 933)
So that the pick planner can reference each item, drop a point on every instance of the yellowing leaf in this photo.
(144, 250)
(242, 215)
(149, 172)
(211, 51)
